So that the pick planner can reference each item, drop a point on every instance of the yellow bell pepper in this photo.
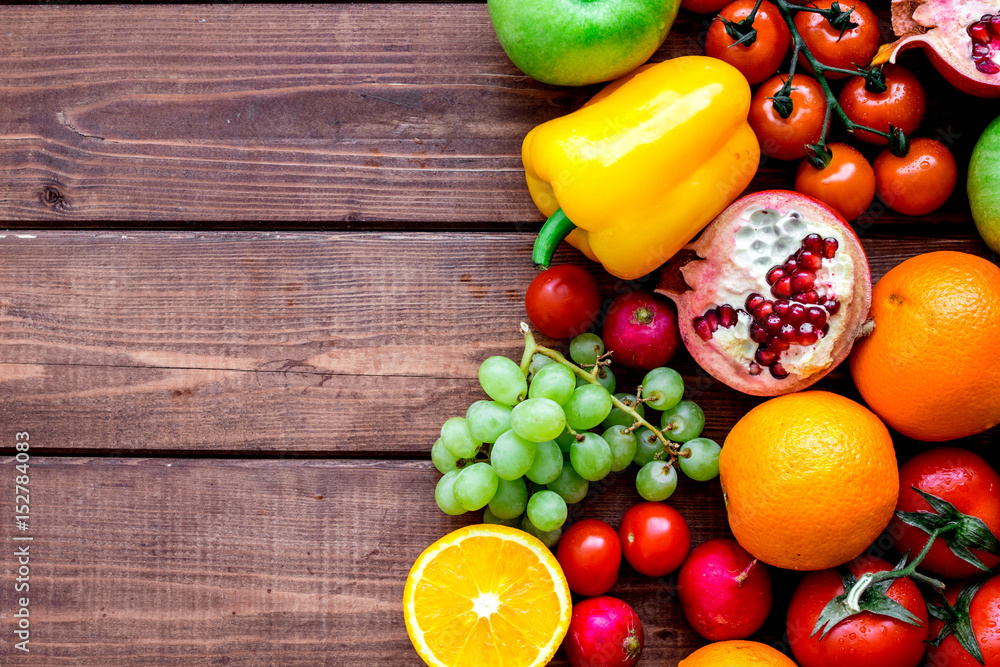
(641, 168)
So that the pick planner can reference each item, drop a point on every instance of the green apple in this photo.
(579, 42)
(984, 185)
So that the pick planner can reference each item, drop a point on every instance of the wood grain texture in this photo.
(179, 562)
(335, 116)
(304, 343)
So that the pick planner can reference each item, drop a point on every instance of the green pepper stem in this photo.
(555, 229)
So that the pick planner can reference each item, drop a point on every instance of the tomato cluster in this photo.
(791, 117)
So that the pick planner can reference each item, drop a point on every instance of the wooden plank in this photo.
(373, 115)
(298, 343)
(182, 562)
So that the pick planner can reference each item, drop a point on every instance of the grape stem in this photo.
(532, 348)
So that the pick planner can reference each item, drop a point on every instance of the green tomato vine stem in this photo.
(531, 348)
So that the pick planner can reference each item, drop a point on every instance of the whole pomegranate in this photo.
(961, 39)
(641, 329)
(725, 592)
(772, 295)
(603, 632)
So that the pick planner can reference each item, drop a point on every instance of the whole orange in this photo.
(736, 653)
(809, 479)
(931, 368)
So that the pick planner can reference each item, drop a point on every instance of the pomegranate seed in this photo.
(712, 319)
(757, 333)
(765, 356)
(701, 328)
(781, 307)
(809, 297)
(977, 31)
(980, 50)
(727, 316)
(763, 310)
(772, 323)
(778, 371)
(783, 288)
(807, 334)
(816, 317)
(994, 26)
(797, 315)
(775, 274)
(830, 246)
(832, 306)
(778, 345)
(810, 260)
(826, 329)
(753, 301)
(788, 333)
(987, 66)
(802, 281)
(985, 18)
(755, 368)
(791, 265)
(813, 242)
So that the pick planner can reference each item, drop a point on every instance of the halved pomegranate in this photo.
(961, 39)
(772, 295)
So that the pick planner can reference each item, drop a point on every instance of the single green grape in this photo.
(647, 446)
(683, 422)
(565, 440)
(555, 381)
(570, 485)
(586, 348)
(475, 486)
(502, 380)
(548, 463)
(591, 457)
(512, 455)
(699, 459)
(458, 439)
(510, 499)
(549, 539)
(547, 511)
(663, 388)
(488, 419)
(444, 494)
(618, 417)
(443, 460)
(623, 446)
(656, 481)
(490, 517)
(538, 362)
(587, 407)
(538, 419)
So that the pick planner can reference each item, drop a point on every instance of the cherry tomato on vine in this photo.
(758, 60)
(984, 614)
(902, 104)
(965, 480)
(704, 6)
(655, 538)
(851, 50)
(786, 138)
(920, 181)
(847, 184)
(590, 553)
(864, 639)
(563, 301)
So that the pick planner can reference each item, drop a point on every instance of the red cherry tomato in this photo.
(847, 184)
(902, 105)
(786, 138)
(758, 60)
(590, 553)
(862, 640)
(984, 612)
(704, 6)
(965, 480)
(851, 50)
(920, 181)
(655, 538)
(563, 301)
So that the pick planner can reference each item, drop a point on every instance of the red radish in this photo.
(725, 592)
(603, 632)
(641, 329)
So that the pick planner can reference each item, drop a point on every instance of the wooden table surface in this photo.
(253, 256)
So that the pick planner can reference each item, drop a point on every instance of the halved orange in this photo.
(487, 596)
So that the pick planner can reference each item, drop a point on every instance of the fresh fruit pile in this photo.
(552, 426)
